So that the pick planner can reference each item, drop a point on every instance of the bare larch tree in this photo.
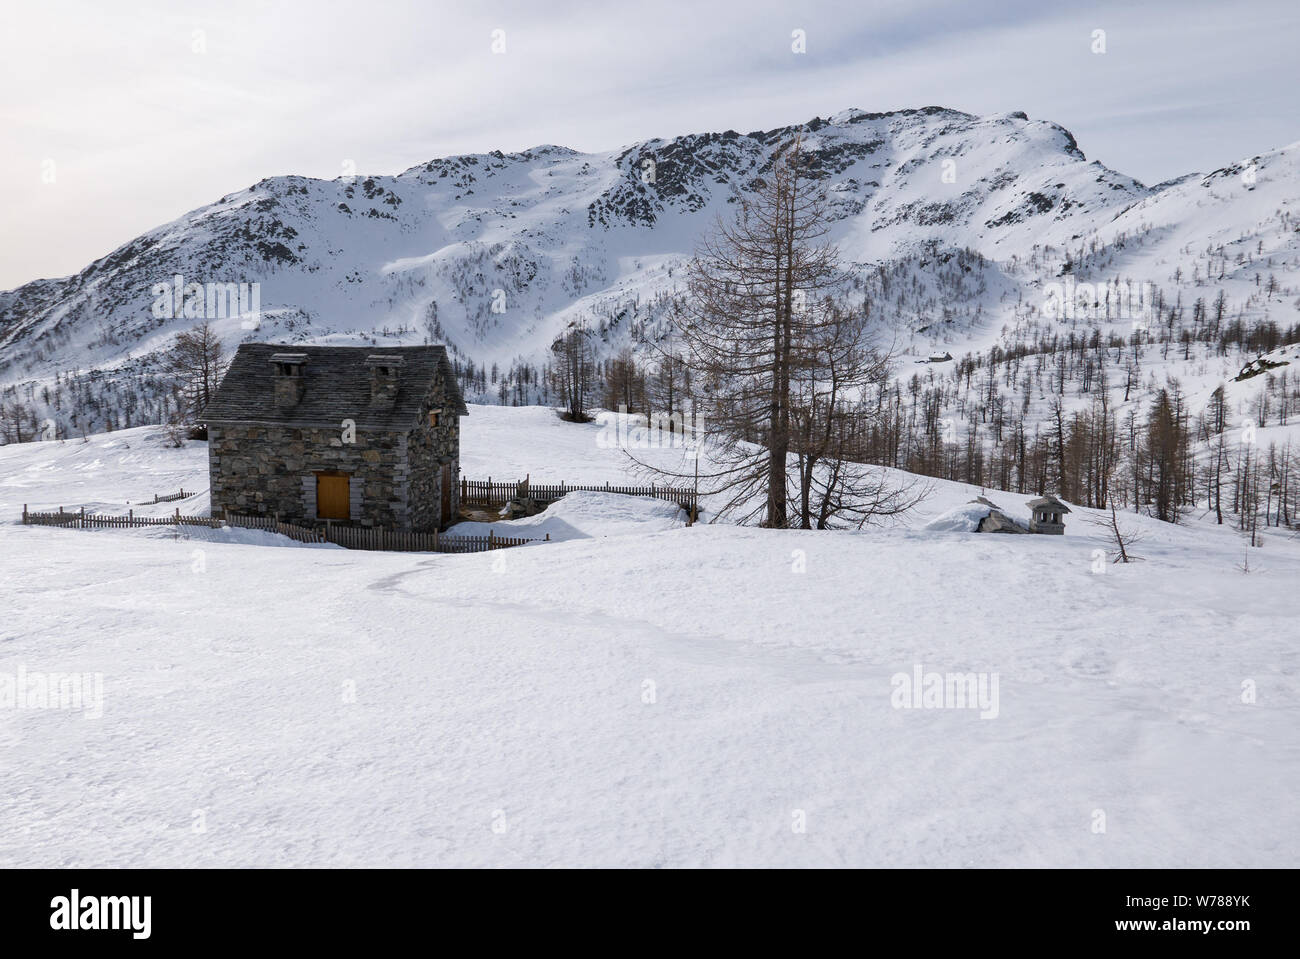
(197, 362)
(746, 327)
(783, 376)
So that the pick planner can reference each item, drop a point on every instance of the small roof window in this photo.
(288, 364)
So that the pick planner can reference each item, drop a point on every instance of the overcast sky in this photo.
(117, 117)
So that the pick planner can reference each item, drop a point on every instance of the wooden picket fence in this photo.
(170, 497)
(488, 493)
(80, 519)
(374, 537)
(272, 524)
(349, 537)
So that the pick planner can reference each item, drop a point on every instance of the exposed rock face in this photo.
(999, 522)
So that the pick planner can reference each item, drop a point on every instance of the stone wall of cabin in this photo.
(394, 477)
(431, 448)
(268, 470)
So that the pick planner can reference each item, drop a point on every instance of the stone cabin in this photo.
(1048, 514)
(347, 434)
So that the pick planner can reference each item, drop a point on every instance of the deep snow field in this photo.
(635, 692)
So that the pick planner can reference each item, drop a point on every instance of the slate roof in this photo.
(1048, 500)
(336, 387)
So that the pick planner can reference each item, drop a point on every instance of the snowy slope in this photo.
(1224, 226)
(107, 473)
(585, 515)
(667, 696)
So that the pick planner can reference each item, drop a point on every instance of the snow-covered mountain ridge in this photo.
(496, 254)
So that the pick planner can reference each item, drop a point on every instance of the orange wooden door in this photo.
(331, 496)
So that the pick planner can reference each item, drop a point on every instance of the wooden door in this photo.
(444, 477)
(332, 501)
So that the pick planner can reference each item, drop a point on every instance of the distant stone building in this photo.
(1048, 515)
(347, 434)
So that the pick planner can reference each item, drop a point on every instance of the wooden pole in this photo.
(695, 497)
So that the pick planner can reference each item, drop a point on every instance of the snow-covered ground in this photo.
(636, 692)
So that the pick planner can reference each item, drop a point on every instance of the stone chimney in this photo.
(383, 379)
(288, 377)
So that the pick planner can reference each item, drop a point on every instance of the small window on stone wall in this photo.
(433, 418)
